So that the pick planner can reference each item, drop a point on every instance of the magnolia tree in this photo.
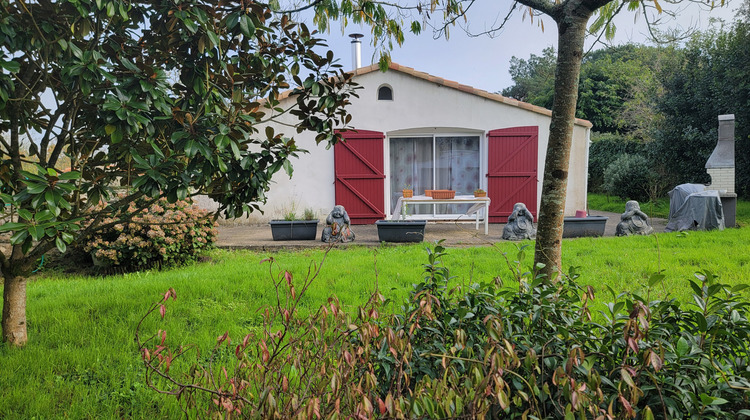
(127, 101)
(574, 19)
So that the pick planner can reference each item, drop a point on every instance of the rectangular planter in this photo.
(576, 227)
(293, 230)
(401, 230)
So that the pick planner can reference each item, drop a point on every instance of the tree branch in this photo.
(544, 6)
(603, 30)
(495, 29)
(299, 9)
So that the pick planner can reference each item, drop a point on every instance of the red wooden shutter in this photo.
(512, 170)
(360, 180)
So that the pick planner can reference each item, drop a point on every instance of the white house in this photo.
(418, 130)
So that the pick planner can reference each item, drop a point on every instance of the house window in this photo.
(385, 93)
(439, 162)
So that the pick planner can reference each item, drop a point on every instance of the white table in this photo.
(480, 203)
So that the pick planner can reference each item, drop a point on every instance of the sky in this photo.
(483, 62)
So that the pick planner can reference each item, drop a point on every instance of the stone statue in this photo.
(633, 221)
(337, 226)
(520, 224)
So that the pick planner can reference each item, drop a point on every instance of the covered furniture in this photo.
(694, 210)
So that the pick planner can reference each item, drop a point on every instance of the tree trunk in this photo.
(14, 311)
(571, 35)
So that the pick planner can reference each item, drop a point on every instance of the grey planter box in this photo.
(576, 227)
(293, 230)
(401, 230)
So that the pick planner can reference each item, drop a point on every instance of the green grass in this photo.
(602, 202)
(658, 208)
(81, 361)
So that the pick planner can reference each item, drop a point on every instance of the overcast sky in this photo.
(483, 62)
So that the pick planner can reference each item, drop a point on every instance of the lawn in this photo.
(81, 361)
(658, 208)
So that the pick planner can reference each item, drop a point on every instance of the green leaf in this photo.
(232, 20)
(24, 214)
(683, 347)
(70, 175)
(116, 136)
(67, 237)
(213, 38)
(35, 188)
(124, 15)
(706, 399)
(701, 321)
(44, 216)
(655, 278)
(12, 226)
(739, 287)
(19, 237)
(11, 66)
(61, 246)
(36, 232)
(235, 149)
(49, 195)
(247, 26)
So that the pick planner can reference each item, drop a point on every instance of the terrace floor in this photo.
(258, 237)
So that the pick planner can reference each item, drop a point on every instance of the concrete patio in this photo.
(258, 237)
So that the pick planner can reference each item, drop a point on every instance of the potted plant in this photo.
(407, 192)
(401, 230)
(576, 227)
(292, 228)
(480, 193)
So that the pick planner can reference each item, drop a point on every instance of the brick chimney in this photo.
(720, 165)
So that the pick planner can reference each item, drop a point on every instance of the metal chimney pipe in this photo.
(356, 51)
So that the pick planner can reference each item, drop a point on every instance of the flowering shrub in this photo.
(162, 234)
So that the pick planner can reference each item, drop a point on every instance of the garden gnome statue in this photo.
(520, 224)
(633, 221)
(337, 226)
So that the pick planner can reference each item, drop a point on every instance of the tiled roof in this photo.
(464, 88)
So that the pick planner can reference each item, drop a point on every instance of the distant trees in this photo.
(660, 103)
(617, 91)
(534, 79)
(711, 77)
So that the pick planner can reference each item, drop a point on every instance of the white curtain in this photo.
(411, 166)
(455, 166)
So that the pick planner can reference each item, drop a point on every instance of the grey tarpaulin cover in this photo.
(692, 208)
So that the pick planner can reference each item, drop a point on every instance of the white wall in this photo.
(419, 106)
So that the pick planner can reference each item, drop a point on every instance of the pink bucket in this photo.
(581, 213)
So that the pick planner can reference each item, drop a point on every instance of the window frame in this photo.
(390, 89)
(433, 134)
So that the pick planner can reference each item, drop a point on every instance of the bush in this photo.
(629, 177)
(525, 349)
(606, 148)
(160, 235)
